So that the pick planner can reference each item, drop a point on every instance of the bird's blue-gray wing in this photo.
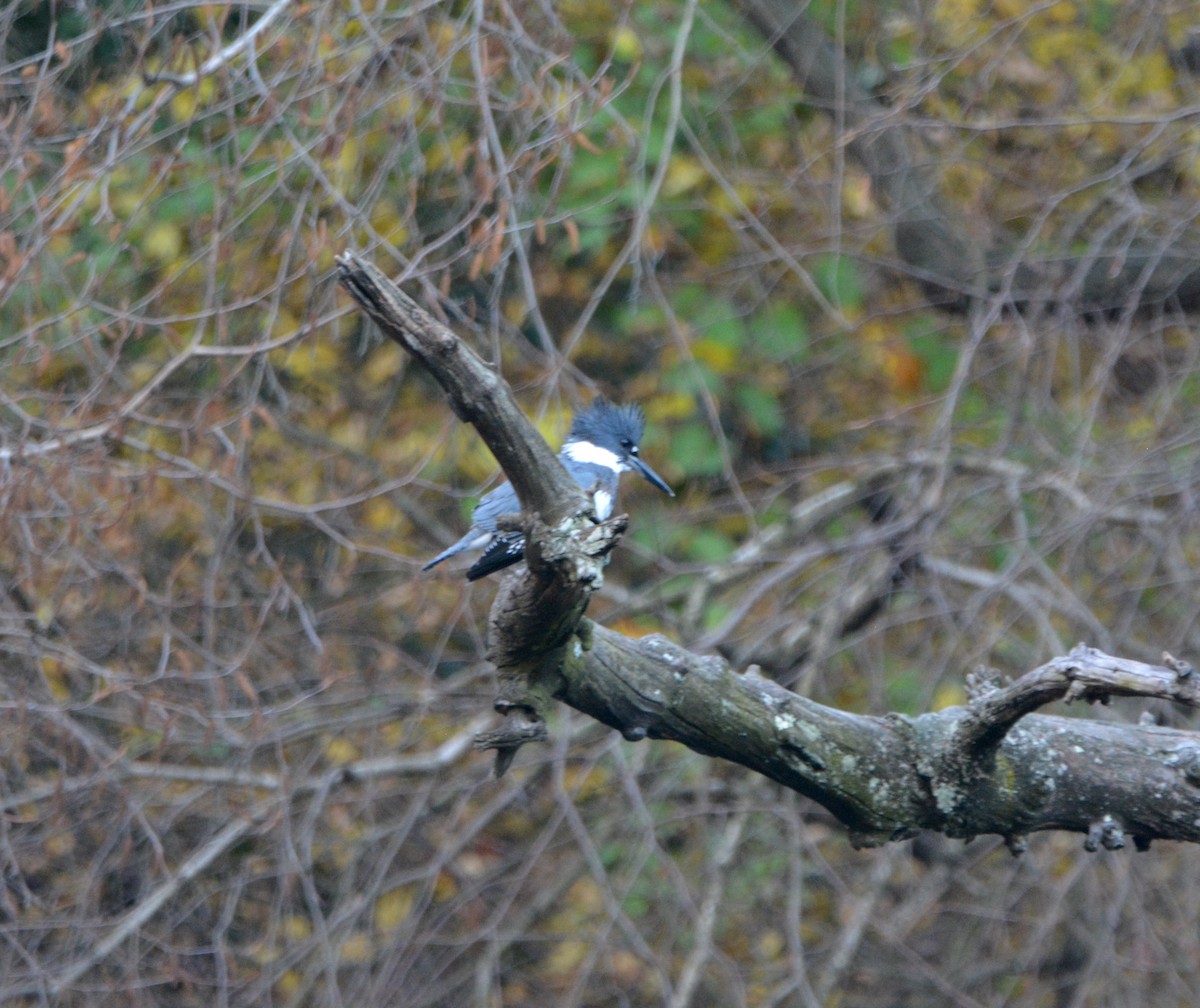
(501, 501)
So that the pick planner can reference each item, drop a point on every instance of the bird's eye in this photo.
(628, 445)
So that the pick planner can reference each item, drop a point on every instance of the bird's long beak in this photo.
(649, 475)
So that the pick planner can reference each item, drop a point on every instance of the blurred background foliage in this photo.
(236, 762)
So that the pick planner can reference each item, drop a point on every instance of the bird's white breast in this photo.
(603, 503)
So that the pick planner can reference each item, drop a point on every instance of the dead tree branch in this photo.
(534, 616)
(993, 766)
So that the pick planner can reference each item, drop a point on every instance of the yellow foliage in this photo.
(312, 359)
(384, 363)
(447, 154)
(584, 897)
(719, 243)
(1063, 12)
(959, 19)
(445, 887)
(967, 180)
(565, 957)
(392, 734)
(587, 17)
(625, 44)
(949, 694)
(1007, 10)
(393, 908)
(1141, 426)
(770, 944)
(340, 751)
(53, 671)
(288, 984)
(357, 947)
(1146, 80)
(670, 406)
(472, 455)
(347, 160)
(350, 432)
(162, 242)
(627, 967)
(60, 246)
(730, 204)
(721, 357)
(44, 613)
(587, 782)
(305, 488)
(1051, 45)
(295, 928)
(161, 439)
(380, 514)
(59, 845)
(188, 101)
(857, 201)
(401, 105)
(684, 172)
(444, 35)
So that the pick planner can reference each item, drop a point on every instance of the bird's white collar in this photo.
(591, 454)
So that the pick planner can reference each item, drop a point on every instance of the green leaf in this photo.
(781, 333)
(838, 278)
(706, 546)
(694, 450)
(938, 352)
(761, 409)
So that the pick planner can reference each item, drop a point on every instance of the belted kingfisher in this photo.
(602, 444)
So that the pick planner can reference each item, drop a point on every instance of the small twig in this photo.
(706, 919)
(221, 58)
(519, 728)
(852, 931)
(1084, 674)
(415, 764)
(201, 858)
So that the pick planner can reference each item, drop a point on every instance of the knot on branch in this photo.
(1188, 764)
(983, 682)
(1016, 843)
(1106, 833)
(575, 551)
(1182, 669)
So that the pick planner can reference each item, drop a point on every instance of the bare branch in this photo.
(223, 56)
(476, 393)
(200, 859)
(1084, 674)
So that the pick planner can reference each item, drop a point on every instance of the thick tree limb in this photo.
(890, 777)
(992, 766)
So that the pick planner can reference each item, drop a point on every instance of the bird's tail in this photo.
(504, 550)
(472, 538)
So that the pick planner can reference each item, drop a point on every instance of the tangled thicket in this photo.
(236, 724)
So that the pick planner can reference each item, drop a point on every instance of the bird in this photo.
(601, 445)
